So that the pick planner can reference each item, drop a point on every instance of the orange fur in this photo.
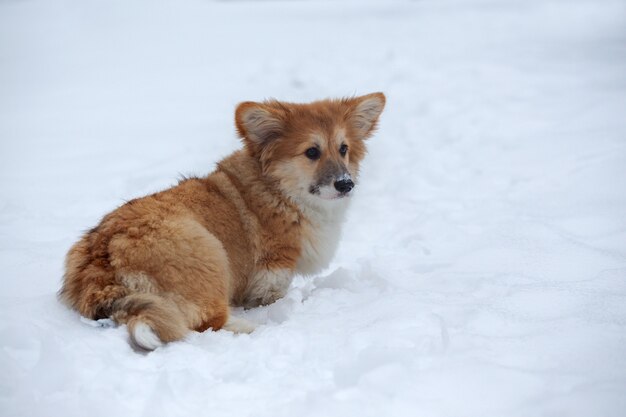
(176, 260)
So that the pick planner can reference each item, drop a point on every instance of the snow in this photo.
(482, 269)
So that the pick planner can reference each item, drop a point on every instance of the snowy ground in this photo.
(482, 271)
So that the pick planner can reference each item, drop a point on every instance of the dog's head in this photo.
(312, 150)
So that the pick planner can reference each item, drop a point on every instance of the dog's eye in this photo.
(312, 153)
(343, 149)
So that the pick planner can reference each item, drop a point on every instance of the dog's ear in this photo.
(364, 113)
(259, 123)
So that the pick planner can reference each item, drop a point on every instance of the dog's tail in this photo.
(90, 287)
(151, 319)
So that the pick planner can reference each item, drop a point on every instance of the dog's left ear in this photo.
(259, 123)
(364, 113)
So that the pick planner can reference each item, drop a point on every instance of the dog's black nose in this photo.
(344, 186)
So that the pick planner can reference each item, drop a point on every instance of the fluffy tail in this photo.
(90, 288)
(151, 319)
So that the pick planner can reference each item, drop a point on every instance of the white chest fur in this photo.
(320, 236)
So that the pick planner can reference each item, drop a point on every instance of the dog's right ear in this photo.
(259, 123)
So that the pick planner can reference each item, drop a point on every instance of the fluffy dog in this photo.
(176, 260)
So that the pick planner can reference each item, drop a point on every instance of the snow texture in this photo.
(482, 270)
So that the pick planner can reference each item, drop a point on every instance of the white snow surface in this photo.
(482, 269)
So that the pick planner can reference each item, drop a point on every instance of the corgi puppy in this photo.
(175, 261)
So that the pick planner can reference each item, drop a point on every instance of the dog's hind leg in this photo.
(239, 325)
(183, 283)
